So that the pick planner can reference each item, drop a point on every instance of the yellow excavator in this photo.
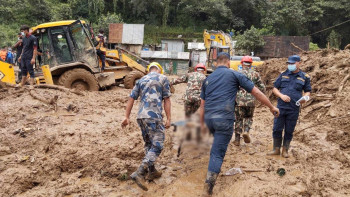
(68, 56)
(7, 73)
(218, 41)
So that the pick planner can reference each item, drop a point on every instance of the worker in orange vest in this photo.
(3, 54)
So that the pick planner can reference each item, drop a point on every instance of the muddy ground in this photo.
(79, 149)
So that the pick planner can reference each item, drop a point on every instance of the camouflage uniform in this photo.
(192, 98)
(245, 102)
(151, 89)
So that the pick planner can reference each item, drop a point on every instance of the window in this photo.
(60, 46)
(84, 50)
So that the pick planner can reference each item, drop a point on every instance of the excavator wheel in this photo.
(80, 79)
(131, 78)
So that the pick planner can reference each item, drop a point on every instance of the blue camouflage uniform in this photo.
(152, 89)
(292, 85)
(219, 92)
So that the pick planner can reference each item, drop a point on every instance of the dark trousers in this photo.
(286, 121)
(27, 67)
(20, 70)
(102, 56)
(222, 129)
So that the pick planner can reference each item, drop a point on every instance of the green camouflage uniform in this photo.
(245, 102)
(192, 97)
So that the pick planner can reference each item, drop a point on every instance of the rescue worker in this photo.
(194, 82)
(218, 97)
(9, 56)
(288, 87)
(152, 89)
(19, 46)
(100, 48)
(28, 55)
(192, 100)
(245, 102)
(3, 54)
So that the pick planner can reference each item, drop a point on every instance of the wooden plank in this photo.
(115, 33)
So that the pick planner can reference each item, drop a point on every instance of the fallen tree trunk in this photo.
(323, 97)
(52, 101)
(47, 86)
(55, 87)
(342, 83)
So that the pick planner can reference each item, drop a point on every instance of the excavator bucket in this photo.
(47, 74)
(7, 73)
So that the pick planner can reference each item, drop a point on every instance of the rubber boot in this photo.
(237, 141)
(210, 182)
(285, 148)
(139, 176)
(246, 137)
(276, 147)
(153, 173)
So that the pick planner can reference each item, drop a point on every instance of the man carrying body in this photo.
(192, 100)
(288, 87)
(194, 82)
(152, 89)
(245, 102)
(217, 111)
(28, 55)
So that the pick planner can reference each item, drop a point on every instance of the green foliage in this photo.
(8, 35)
(154, 34)
(334, 39)
(271, 17)
(251, 40)
(62, 12)
(313, 47)
(104, 21)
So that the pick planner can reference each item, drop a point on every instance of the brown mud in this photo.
(79, 149)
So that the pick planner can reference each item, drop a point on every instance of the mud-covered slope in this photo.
(79, 149)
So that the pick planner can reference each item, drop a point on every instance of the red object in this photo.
(247, 59)
(200, 65)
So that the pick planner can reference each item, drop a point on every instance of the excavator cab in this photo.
(212, 57)
(64, 44)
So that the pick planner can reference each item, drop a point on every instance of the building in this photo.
(198, 53)
(127, 36)
(173, 62)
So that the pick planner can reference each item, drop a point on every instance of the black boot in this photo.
(237, 141)
(276, 147)
(286, 144)
(210, 182)
(139, 176)
(153, 173)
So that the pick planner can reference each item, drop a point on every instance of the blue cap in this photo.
(224, 53)
(294, 58)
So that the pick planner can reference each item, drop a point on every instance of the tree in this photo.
(334, 39)
(104, 21)
(251, 40)
(166, 4)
